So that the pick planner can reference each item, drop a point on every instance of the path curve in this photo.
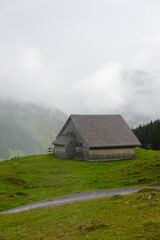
(75, 197)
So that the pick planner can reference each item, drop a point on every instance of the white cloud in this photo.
(101, 91)
(54, 53)
(110, 89)
(30, 78)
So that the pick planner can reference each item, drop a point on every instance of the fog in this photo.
(94, 56)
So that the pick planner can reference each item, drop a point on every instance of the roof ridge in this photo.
(95, 115)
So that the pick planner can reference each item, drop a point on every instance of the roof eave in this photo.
(58, 144)
(119, 146)
(63, 127)
(87, 145)
(62, 144)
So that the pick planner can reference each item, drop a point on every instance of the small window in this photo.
(80, 144)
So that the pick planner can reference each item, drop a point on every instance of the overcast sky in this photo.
(82, 56)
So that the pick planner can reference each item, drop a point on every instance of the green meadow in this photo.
(136, 217)
(33, 178)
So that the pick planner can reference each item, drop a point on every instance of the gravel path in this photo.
(76, 197)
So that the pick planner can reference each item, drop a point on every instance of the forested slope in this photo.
(27, 129)
(149, 135)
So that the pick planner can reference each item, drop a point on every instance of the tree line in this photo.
(149, 135)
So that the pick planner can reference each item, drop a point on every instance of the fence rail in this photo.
(50, 150)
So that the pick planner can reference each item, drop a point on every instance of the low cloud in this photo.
(81, 56)
(102, 91)
(110, 89)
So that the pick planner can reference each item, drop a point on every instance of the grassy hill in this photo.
(27, 129)
(34, 178)
(135, 217)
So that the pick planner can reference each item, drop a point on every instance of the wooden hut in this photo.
(96, 138)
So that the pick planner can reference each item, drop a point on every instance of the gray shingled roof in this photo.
(105, 131)
(62, 140)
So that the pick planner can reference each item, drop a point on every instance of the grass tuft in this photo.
(15, 181)
(92, 225)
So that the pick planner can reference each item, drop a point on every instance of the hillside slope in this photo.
(35, 178)
(27, 129)
(134, 217)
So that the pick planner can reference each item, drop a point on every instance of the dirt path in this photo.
(76, 197)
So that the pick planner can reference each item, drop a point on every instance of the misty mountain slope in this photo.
(27, 129)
